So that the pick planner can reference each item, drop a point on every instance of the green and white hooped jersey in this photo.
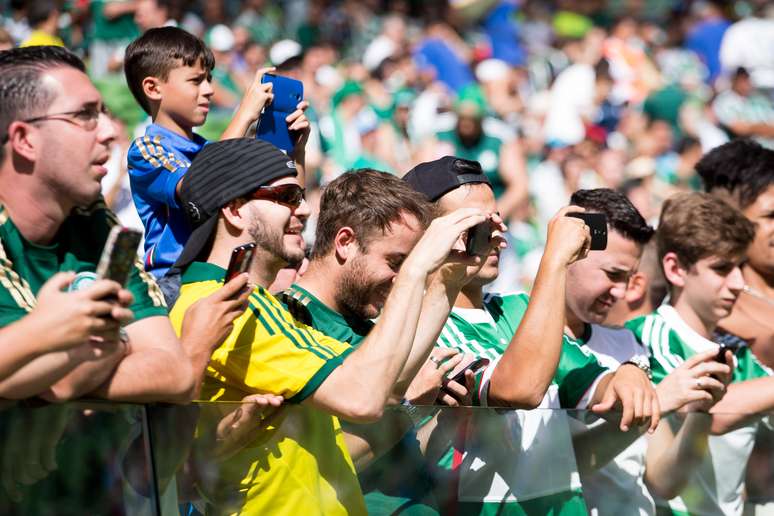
(529, 455)
(717, 486)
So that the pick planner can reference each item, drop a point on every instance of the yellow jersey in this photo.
(302, 466)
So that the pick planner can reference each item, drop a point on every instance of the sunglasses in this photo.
(290, 195)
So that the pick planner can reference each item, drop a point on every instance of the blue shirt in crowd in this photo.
(157, 161)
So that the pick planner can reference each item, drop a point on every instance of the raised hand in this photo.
(569, 238)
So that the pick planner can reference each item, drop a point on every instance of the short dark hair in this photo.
(742, 168)
(22, 94)
(39, 11)
(621, 214)
(697, 225)
(157, 52)
(368, 201)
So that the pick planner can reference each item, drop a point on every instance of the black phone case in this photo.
(597, 223)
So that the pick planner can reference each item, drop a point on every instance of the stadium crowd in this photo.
(632, 355)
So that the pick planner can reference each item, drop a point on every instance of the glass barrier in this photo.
(75, 459)
(226, 458)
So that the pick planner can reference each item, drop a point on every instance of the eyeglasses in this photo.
(87, 117)
(290, 194)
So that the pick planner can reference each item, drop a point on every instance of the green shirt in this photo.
(486, 152)
(120, 29)
(398, 481)
(498, 474)
(717, 485)
(25, 267)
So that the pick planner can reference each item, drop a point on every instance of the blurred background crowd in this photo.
(549, 97)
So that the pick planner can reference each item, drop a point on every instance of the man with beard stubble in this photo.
(245, 191)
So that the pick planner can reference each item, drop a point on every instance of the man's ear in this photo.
(674, 272)
(344, 243)
(152, 88)
(637, 289)
(235, 215)
(22, 141)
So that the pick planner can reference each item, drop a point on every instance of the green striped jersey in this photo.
(505, 452)
(717, 486)
(25, 267)
(487, 333)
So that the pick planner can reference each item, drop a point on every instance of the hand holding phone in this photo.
(272, 125)
(476, 366)
(119, 254)
(241, 258)
(477, 242)
(597, 223)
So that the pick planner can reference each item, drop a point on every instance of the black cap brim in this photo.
(198, 241)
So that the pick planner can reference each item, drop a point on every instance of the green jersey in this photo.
(486, 152)
(499, 470)
(717, 485)
(398, 481)
(25, 267)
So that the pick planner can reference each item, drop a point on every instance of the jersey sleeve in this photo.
(576, 374)
(666, 351)
(148, 297)
(154, 171)
(748, 367)
(269, 352)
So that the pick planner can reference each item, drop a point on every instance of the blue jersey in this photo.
(157, 162)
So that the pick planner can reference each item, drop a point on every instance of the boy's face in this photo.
(185, 95)
(711, 287)
(595, 283)
(761, 252)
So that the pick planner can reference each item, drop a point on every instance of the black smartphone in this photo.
(478, 239)
(597, 223)
(476, 366)
(721, 356)
(241, 258)
(119, 254)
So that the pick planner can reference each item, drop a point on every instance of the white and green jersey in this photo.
(523, 458)
(717, 486)
(619, 486)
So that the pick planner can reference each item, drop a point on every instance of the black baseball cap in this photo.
(221, 172)
(435, 178)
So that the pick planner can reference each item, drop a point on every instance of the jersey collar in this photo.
(178, 142)
(203, 271)
(685, 332)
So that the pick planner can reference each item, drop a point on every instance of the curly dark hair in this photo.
(621, 214)
(742, 168)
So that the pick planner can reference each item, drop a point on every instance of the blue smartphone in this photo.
(272, 126)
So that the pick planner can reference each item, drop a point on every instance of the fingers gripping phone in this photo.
(119, 254)
(597, 223)
(241, 258)
(476, 366)
(478, 239)
(272, 126)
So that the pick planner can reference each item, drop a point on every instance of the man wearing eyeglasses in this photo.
(245, 191)
(55, 143)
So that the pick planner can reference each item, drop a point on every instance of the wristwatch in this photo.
(643, 363)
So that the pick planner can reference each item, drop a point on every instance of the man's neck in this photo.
(471, 296)
(165, 121)
(263, 269)
(691, 318)
(320, 281)
(759, 281)
(35, 213)
(572, 324)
